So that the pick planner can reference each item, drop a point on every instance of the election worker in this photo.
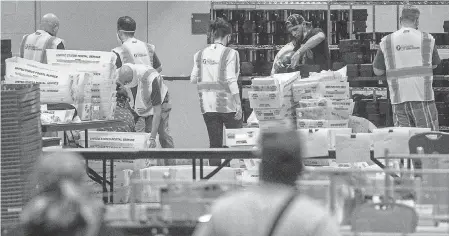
(34, 46)
(132, 50)
(308, 44)
(150, 100)
(215, 72)
(408, 57)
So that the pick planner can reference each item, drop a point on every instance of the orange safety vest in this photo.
(219, 87)
(408, 60)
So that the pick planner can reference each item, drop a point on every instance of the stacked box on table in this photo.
(21, 143)
(272, 99)
(102, 67)
(322, 101)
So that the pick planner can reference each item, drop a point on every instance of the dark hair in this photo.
(219, 28)
(281, 154)
(126, 23)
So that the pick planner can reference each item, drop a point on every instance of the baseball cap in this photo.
(294, 20)
(410, 12)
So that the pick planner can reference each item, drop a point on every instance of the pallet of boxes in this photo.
(322, 112)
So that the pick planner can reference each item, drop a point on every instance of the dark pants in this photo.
(214, 123)
(145, 124)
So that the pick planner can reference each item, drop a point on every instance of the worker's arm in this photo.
(232, 74)
(156, 102)
(312, 42)
(195, 71)
(60, 46)
(379, 63)
(435, 58)
(157, 63)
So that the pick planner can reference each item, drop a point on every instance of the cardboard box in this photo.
(335, 90)
(275, 113)
(241, 137)
(265, 99)
(307, 124)
(104, 139)
(268, 125)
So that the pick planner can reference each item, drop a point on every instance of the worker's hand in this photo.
(295, 59)
(152, 143)
(238, 113)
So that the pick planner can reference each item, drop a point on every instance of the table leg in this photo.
(105, 198)
(201, 169)
(86, 143)
(65, 138)
(111, 188)
(224, 164)
(194, 169)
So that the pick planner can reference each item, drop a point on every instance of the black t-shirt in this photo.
(321, 51)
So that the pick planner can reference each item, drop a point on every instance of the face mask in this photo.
(118, 39)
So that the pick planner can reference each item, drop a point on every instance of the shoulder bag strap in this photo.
(281, 212)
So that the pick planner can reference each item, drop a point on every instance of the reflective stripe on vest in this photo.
(426, 51)
(147, 96)
(47, 45)
(22, 46)
(220, 87)
(128, 57)
(395, 74)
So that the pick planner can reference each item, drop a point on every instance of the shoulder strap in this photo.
(281, 212)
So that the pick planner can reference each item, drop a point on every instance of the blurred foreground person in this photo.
(34, 46)
(274, 207)
(62, 206)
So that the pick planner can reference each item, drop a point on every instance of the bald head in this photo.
(50, 24)
(125, 74)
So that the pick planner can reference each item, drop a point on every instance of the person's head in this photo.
(281, 153)
(125, 76)
(126, 27)
(61, 205)
(410, 16)
(297, 27)
(50, 24)
(220, 31)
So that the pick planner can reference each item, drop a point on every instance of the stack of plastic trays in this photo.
(21, 144)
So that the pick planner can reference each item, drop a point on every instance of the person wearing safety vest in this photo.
(407, 57)
(215, 72)
(308, 44)
(34, 46)
(149, 100)
(131, 49)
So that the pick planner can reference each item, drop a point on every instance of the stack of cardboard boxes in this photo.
(323, 101)
(272, 100)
